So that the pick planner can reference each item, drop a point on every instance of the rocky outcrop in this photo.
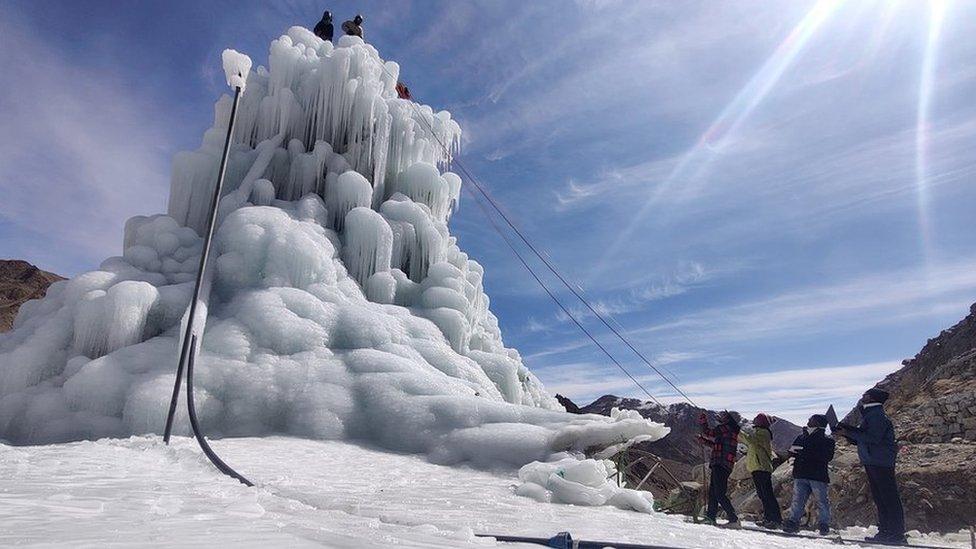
(568, 404)
(933, 396)
(20, 282)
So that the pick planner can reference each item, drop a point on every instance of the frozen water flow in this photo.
(339, 304)
(368, 245)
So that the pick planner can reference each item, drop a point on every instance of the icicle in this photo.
(368, 244)
(263, 193)
(106, 321)
(424, 184)
(351, 190)
(454, 187)
(427, 245)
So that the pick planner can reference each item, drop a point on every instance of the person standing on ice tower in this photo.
(724, 440)
(354, 27)
(760, 465)
(877, 449)
(323, 29)
(403, 92)
(812, 451)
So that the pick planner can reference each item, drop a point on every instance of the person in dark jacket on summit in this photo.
(323, 29)
(724, 440)
(812, 451)
(877, 449)
(354, 27)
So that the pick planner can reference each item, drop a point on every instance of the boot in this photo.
(770, 525)
(791, 527)
(732, 525)
(894, 539)
(824, 529)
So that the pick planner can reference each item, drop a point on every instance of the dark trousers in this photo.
(764, 489)
(718, 494)
(884, 489)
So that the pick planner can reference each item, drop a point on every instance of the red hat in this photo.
(761, 420)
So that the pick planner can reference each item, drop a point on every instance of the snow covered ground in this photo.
(137, 492)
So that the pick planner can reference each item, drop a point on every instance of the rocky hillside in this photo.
(20, 282)
(681, 444)
(933, 407)
(933, 395)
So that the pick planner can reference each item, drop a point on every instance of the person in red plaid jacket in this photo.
(724, 440)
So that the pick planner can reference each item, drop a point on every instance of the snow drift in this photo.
(340, 305)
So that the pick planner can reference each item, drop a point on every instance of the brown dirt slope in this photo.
(20, 282)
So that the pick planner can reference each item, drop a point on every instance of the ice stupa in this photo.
(340, 307)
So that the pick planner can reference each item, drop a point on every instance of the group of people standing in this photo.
(324, 30)
(811, 451)
(353, 27)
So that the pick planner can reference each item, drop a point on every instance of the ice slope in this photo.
(340, 305)
(137, 492)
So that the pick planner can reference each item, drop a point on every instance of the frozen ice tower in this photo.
(340, 306)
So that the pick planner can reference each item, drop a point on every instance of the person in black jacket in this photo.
(877, 449)
(323, 29)
(812, 451)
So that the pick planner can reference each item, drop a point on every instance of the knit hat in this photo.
(761, 420)
(819, 420)
(877, 395)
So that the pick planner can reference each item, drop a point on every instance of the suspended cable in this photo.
(565, 310)
(474, 181)
(569, 286)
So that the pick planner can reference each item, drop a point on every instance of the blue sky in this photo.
(773, 200)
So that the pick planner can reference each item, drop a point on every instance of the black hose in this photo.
(565, 541)
(207, 239)
(195, 425)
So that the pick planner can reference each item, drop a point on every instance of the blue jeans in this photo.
(801, 492)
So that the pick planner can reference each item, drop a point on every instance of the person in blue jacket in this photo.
(811, 452)
(877, 449)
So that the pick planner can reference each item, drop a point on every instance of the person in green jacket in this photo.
(760, 465)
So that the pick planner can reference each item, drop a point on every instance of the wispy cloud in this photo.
(685, 277)
(792, 394)
(861, 302)
(79, 154)
(855, 304)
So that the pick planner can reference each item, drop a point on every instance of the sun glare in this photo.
(937, 12)
(694, 162)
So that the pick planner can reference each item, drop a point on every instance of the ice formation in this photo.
(585, 482)
(340, 306)
(236, 67)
